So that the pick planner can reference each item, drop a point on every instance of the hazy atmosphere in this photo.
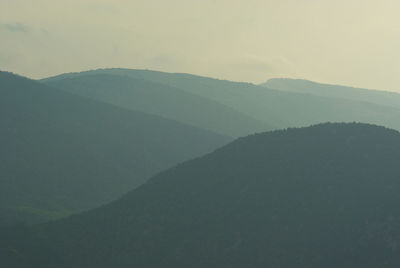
(349, 42)
(199, 133)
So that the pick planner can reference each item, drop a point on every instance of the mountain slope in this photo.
(323, 196)
(164, 100)
(335, 91)
(63, 153)
(273, 107)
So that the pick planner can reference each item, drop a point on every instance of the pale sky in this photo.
(349, 42)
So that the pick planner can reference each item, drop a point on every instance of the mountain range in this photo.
(138, 168)
(268, 108)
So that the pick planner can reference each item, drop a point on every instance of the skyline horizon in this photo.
(345, 42)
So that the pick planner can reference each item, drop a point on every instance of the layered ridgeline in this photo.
(161, 99)
(275, 108)
(335, 91)
(322, 196)
(62, 153)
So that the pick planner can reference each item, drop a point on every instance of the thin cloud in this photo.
(17, 27)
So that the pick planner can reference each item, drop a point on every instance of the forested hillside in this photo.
(322, 196)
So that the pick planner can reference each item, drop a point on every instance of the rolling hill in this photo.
(162, 100)
(336, 91)
(275, 108)
(321, 196)
(62, 153)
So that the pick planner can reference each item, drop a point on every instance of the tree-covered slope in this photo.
(62, 153)
(276, 108)
(336, 91)
(322, 196)
(163, 100)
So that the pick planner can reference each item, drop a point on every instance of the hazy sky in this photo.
(352, 42)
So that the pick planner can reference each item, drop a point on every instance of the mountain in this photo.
(335, 91)
(163, 100)
(321, 196)
(276, 108)
(61, 153)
